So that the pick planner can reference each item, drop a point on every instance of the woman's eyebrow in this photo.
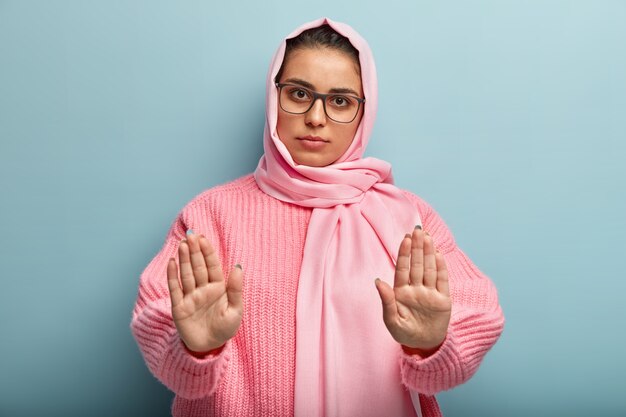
(308, 85)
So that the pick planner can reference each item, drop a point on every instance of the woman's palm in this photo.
(206, 311)
(417, 309)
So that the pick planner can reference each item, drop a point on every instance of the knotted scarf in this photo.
(346, 360)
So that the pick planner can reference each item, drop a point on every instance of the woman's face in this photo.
(312, 138)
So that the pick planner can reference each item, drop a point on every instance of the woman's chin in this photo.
(311, 160)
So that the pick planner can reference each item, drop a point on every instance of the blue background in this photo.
(508, 117)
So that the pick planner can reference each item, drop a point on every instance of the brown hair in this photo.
(320, 37)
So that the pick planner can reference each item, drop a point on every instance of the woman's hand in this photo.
(417, 309)
(206, 312)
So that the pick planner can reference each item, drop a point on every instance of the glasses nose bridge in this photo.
(321, 97)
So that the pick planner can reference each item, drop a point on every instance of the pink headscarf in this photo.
(346, 360)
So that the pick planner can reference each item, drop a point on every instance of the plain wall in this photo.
(508, 117)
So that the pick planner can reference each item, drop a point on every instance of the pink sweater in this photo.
(255, 372)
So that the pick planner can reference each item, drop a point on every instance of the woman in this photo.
(306, 329)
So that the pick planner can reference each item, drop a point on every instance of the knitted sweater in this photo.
(254, 374)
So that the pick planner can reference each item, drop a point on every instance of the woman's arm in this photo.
(476, 321)
(190, 375)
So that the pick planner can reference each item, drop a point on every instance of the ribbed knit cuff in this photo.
(437, 372)
(196, 377)
(165, 353)
(471, 334)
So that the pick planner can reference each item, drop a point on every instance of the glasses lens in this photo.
(341, 108)
(294, 99)
(298, 100)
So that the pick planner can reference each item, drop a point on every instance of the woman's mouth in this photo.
(313, 142)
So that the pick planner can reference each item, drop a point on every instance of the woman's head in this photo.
(317, 132)
(332, 48)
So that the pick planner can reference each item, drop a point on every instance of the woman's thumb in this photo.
(234, 287)
(388, 300)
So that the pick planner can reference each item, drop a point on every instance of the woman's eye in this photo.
(299, 94)
(340, 101)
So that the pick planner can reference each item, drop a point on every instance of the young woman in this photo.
(345, 296)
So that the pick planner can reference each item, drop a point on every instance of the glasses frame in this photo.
(317, 95)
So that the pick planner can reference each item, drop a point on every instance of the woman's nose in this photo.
(316, 115)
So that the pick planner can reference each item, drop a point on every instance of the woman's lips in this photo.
(313, 143)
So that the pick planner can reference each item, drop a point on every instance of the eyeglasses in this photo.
(295, 99)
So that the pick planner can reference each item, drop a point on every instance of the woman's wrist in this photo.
(424, 353)
(204, 354)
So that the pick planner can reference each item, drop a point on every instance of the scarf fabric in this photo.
(346, 360)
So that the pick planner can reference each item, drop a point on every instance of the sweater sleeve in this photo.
(475, 324)
(152, 326)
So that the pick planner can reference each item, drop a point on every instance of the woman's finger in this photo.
(442, 275)
(214, 267)
(417, 257)
(186, 272)
(430, 265)
(403, 264)
(176, 294)
(198, 264)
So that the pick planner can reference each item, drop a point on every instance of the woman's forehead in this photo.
(323, 69)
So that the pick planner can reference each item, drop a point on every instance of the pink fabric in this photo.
(359, 219)
(254, 376)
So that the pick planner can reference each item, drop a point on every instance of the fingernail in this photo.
(408, 235)
(238, 266)
(418, 227)
(189, 231)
